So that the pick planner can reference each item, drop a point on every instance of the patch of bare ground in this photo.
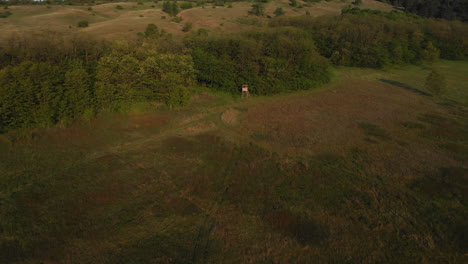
(230, 117)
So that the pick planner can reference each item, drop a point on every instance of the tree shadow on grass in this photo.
(405, 86)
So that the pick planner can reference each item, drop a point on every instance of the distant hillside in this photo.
(447, 9)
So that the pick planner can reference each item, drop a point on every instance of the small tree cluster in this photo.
(171, 8)
(279, 11)
(83, 23)
(257, 9)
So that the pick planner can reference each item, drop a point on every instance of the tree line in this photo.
(447, 9)
(369, 38)
(47, 78)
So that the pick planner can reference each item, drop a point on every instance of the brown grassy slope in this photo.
(361, 171)
(109, 23)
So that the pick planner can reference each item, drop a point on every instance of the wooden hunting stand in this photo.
(245, 90)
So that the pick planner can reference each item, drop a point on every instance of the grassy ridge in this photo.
(361, 171)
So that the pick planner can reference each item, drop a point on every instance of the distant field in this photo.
(110, 23)
(366, 170)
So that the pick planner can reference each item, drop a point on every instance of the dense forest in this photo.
(447, 9)
(47, 79)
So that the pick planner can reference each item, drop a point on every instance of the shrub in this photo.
(257, 10)
(83, 23)
(177, 19)
(186, 5)
(5, 14)
(151, 31)
(171, 8)
(435, 82)
(279, 11)
(119, 7)
(187, 27)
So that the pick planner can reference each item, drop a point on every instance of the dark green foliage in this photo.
(177, 19)
(78, 92)
(171, 8)
(123, 79)
(257, 9)
(5, 14)
(119, 7)
(186, 5)
(151, 31)
(83, 23)
(279, 11)
(379, 39)
(39, 94)
(447, 9)
(270, 61)
(79, 82)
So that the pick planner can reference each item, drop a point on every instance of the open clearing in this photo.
(108, 22)
(342, 173)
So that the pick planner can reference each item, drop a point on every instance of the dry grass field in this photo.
(108, 22)
(364, 170)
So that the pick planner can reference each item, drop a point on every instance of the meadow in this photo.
(108, 22)
(143, 151)
(363, 170)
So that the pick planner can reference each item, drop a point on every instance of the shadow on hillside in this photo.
(405, 86)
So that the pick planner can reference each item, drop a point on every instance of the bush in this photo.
(187, 27)
(257, 10)
(177, 19)
(83, 23)
(119, 7)
(435, 82)
(186, 5)
(171, 8)
(151, 31)
(5, 14)
(279, 11)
